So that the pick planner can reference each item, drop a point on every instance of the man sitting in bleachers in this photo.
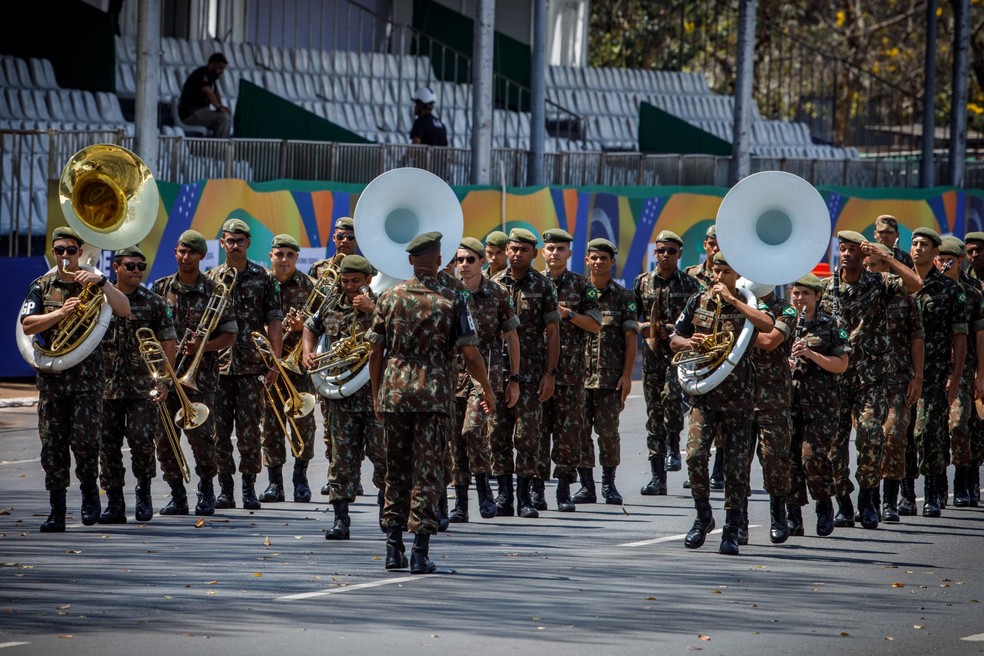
(427, 129)
(200, 94)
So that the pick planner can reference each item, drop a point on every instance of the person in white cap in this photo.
(427, 129)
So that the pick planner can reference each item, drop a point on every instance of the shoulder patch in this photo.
(592, 293)
(553, 294)
(512, 305)
(170, 313)
(631, 307)
(842, 333)
(276, 285)
(763, 307)
(466, 294)
(962, 297)
(790, 311)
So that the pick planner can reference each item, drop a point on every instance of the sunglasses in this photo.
(470, 259)
(130, 266)
(348, 236)
(667, 251)
(62, 250)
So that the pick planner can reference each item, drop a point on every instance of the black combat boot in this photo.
(869, 512)
(442, 510)
(825, 517)
(340, 530)
(144, 510)
(115, 512)
(608, 489)
(396, 553)
(961, 491)
(56, 518)
(326, 488)
(717, 471)
(564, 501)
(587, 492)
(380, 502)
(779, 529)
(794, 519)
(657, 484)
(907, 502)
(673, 462)
(178, 505)
(486, 504)
(302, 491)
(931, 506)
(227, 496)
(743, 524)
(206, 498)
(90, 503)
(942, 490)
(274, 491)
(845, 512)
(419, 562)
(890, 508)
(504, 501)
(975, 486)
(703, 525)
(459, 514)
(729, 536)
(524, 505)
(538, 494)
(250, 502)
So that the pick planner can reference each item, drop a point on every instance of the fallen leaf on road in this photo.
(889, 638)
(898, 584)
(73, 551)
(844, 634)
(66, 636)
(212, 582)
(918, 626)
(704, 637)
(266, 541)
(257, 574)
(64, 606)
(716, 591)
(6, 511)
(650, 598)
(200, 523)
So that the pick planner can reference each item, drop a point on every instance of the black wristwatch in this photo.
(570, 314)
(515, 378)
(102, 281)
(553, 371)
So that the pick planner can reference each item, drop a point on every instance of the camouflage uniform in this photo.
(187, 304)
(976, 424)
(663, 398)
(563, 413)
(963, 408)
(904, 326)
(70, 402)
(902, 256)
(127, 407)
(815, 409)
(702, 274)
(416, 385)
(240, 397)
(534, 299)
(604, 356)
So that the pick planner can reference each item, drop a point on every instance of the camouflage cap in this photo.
(600, 244)
(130, 251)
(669, 235)
(556, 235)
(720, 259)
(345, 223)
(810, 281)
(929, 234)
(952, 246)
(974, 236)
(497, 238)
(236, 226)
(194, 240)
(285, 241)
(424, 243)
(882, 248)
(474, 246)
(850, 237)
(64, 232)
(355, 264)
(523, 235)
(712, 232)
(887, 221)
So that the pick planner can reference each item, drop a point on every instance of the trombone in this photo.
(217, 303)
(190, 416)
(293, 404)
(325, 290)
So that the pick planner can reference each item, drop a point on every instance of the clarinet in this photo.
(837, 297)
(800, 329)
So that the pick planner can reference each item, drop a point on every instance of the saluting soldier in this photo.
(413, 389)
(129, 410)
(563, 413)
(534, 299)
(609, 357)
(495, 252)
(661, 295)
(70, 402)
(256, 301)
(887, 233)
(187, 293)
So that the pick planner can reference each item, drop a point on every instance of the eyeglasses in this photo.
(470, 259)
(667, 251)
(229, 241)
(62, 250)
(130, 266)
(348, 236)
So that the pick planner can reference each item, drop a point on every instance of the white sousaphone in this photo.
(393, 209)
(773, 228)
(110, 198)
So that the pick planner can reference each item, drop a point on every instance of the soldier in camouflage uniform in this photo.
(728, 406)
(887, 234)
(187, 293)
(495, 323)
(943, 304)
(495, 252)
(70, 402)
(703, 272)
(974, 275)
(819, 354)
(295, 288)
(413, 389)
(534, 299)
(563, 413)
(903, 385)
(610, 357)
(661, 295)
(240, 397)
(354, 427)
(129, 409)
(862, 295)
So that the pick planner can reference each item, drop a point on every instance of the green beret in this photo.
(929, 234)
(669, 235)
(810, 281)
(194, 240)
(497, 238)
(556, 235)
(888, 221)
(64, 232)
(600, 244)
(355, 264)
(523, 235)
(720, 259)
(425, 243)
(285, 241)
(850, 237)
(712, 232)
(131, 251)
(883, 248)
(952, 246)
(974, 236)
(236, 225)
(474, 246)
(345, 223)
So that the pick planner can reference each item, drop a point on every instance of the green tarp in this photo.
(660, 132)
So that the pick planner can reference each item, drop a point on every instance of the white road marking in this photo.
(977, 637)
(672, 538)
(357, 586)
(4, 645)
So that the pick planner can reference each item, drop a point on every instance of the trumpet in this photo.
(294, 404)
(217, 304)
(190, 416)
(325, 290)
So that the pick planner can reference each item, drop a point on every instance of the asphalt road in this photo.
(603, 580)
